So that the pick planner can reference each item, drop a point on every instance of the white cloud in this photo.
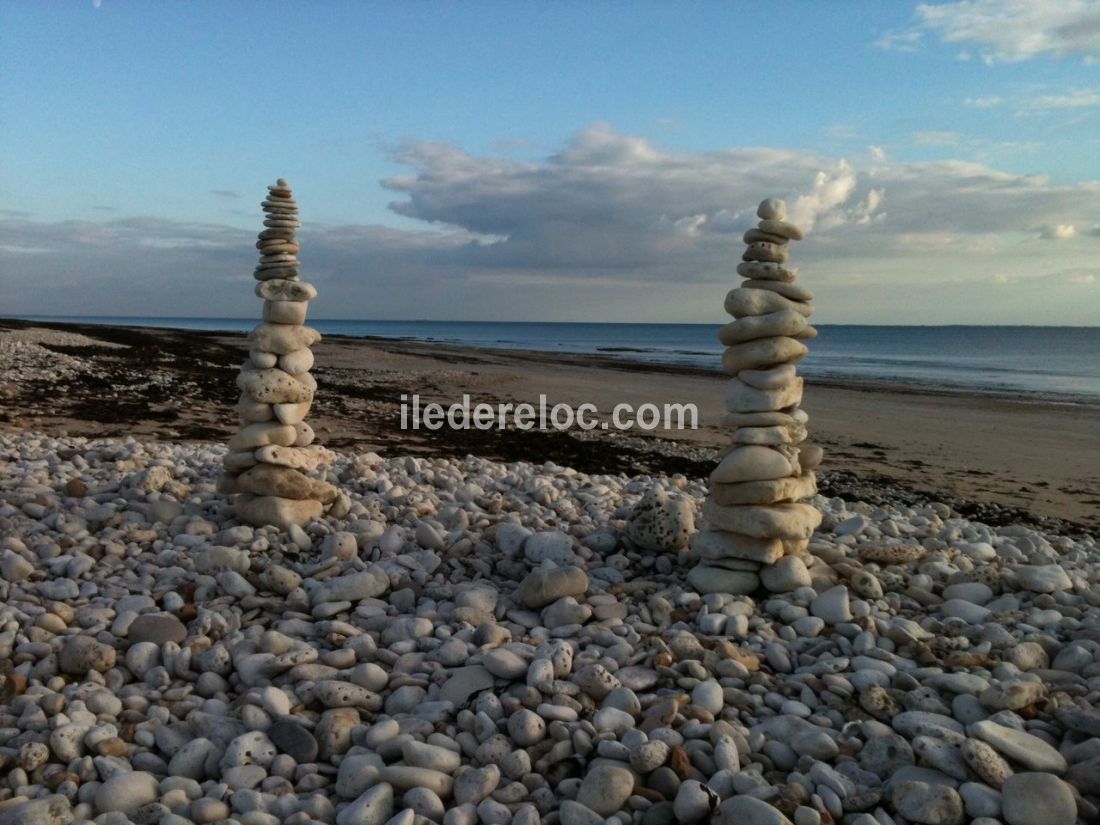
(907, 41)
(1077, 99)
(983, 102)
(1007, 30)
(831, 189)
(1060, 232)
(878, 154)
(611, 227)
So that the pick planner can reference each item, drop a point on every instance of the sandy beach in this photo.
(997, 458)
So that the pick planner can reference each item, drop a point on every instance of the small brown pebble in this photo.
(76, 488)
(648, 793)
(113, 747)
(698, 713)
(56, 779)
(680, 762)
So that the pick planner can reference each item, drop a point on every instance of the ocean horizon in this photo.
(1060, 364)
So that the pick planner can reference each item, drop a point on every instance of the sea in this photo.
(1059, 364)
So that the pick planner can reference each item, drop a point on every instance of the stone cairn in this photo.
(273, 465)
(757, 533)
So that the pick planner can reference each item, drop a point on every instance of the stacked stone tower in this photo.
(272, 464)
(757, 532)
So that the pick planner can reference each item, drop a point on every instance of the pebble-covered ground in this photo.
(482, 642)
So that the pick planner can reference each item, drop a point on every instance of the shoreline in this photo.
(998, 459)
(603, 358)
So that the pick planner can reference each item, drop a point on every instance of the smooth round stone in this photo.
(780, 227)
(1038, 799)
(708, 695)
(747, 810)
(504, 664)
(142, 657)
(787, 290)
(1045, 578)
(294, 740)
(433, 757)
(927, 803)
(373, 807)
(425, 803)
(649, 756)
(707, 579)
(472, 785)
(126, 792)
(762, 353)
(787, 574)
(751, 463)
(772, 209)
(637, 678)
(975, 592)
(545, 585)
(1022, 747)
(526, 728)
(967, 611)
(605, 789)
(549, 545)
(694, 802)
(157, 628)
(285, 312)
(833, 605)
(204, 811)
(1029, 656)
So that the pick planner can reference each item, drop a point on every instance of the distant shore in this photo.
(1006, 457)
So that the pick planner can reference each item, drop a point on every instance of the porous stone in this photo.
(277, 289)
(661, 523)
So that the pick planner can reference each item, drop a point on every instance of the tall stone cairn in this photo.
(757, 533)
(273, 466)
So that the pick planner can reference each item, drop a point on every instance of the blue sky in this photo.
(541, 153)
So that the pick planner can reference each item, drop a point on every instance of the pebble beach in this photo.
(494, 642)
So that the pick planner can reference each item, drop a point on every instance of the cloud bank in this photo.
(608, 228)
(1007, 30)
